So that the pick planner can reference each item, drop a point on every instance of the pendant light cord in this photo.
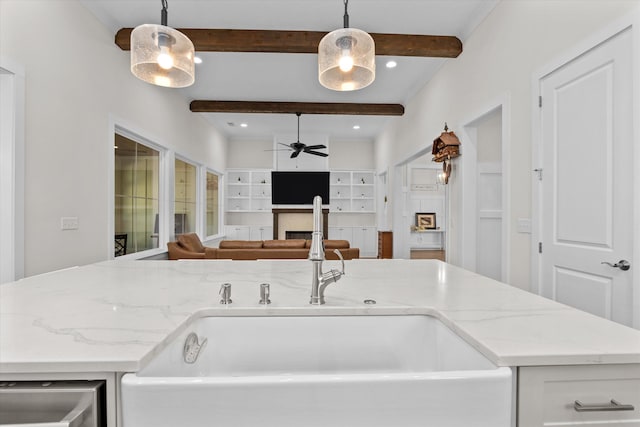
(163, 16)
(346, 14)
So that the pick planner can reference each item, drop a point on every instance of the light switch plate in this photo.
(524, 225)
(69, 223)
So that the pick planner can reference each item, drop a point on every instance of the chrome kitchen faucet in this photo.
(320, 281)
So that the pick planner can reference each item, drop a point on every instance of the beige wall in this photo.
(343, 154)
(76, 80)
(498, 60)
(489, 137)
(250, 154)
(351, 155)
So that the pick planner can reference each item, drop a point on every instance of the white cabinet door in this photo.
(260, 232)
(341, 233)
(366, 239)
(237, 232)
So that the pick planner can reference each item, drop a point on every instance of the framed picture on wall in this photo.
(426, 220)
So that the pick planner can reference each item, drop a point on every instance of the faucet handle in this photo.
(334, 275)
(337, 252)
(264, 294)
(225, 293)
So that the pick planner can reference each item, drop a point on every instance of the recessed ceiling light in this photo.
(197, 60)
(391, 64)
(356, 127)
(243, 125)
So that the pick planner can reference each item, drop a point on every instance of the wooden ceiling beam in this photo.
(274, 41)
(200, 106)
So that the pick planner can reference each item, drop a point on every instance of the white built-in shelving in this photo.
(352, 191)
(248, 190)
(248, 201)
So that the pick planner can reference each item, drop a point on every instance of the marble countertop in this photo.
(114, 316)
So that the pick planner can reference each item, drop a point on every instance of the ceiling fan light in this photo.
(162, 56)
(346, 60)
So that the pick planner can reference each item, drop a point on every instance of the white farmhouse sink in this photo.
(320, 371)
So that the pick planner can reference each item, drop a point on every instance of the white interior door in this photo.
(400, 214)
(587, 182)
(489, 221)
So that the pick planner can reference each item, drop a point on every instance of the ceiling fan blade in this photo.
(315, 147)
(316, 153)
(295, 154)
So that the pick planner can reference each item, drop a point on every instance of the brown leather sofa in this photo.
(189, 246)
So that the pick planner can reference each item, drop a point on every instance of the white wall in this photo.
(498, 60)
(76, 81)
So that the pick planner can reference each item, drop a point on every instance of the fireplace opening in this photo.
(297, 220)
(298, 235)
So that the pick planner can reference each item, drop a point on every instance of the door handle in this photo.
(622, 264)
(613, 406)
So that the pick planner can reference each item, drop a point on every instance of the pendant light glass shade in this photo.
(162, 56)
(346, 60)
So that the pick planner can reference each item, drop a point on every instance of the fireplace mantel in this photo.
(277, 212)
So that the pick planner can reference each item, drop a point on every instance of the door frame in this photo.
(13, 182)
(629, 22)
(382, 197)
(468, 170)
(400, 200)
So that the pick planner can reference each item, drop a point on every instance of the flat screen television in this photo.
(299, 188)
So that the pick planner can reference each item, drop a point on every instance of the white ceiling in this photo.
(293, 77)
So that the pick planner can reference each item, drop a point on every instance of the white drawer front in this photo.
(547, 396)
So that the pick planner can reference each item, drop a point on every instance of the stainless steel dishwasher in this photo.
(52, 404)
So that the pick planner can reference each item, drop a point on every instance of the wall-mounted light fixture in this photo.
(445, 147)
(346, 58)
(161, 55)
(443, 176)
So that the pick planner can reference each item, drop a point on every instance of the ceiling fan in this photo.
(298, 147)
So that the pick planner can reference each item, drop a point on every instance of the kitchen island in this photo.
(105, 319)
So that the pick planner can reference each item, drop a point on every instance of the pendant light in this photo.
(161, 55)
(346, 58)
